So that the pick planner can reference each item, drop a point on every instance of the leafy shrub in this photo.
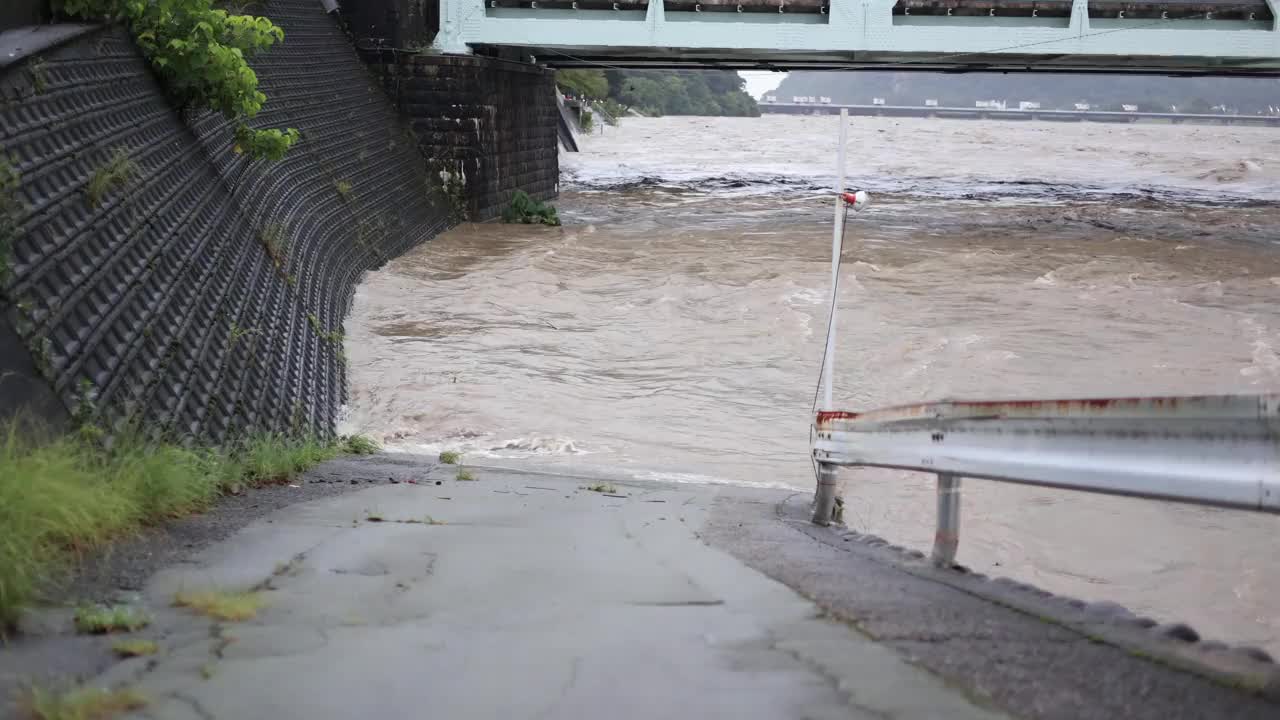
(201, 54)
(524, 209)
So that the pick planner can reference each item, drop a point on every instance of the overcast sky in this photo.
(761, 81)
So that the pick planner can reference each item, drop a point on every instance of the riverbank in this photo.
(580, 596)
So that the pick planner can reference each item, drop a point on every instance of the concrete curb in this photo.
(1175, 644)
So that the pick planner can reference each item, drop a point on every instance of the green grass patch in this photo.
(101, 620)
(135, 648)
(449, 457)
(63, 498)
(603, 487)
(111, 175)
(228, 606)
(465, 475)
(276, 458)
(79, 704)
(359, 445)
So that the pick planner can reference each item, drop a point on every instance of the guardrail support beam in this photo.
(825, 502)
(947, 538)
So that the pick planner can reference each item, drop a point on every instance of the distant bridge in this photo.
(1213, 37)
(978, 113)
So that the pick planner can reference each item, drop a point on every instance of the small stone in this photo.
(1256, 653)
(355, 482)
(439, 482)
(1180, 631)
(1105, 609)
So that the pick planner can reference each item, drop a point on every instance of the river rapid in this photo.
(673, 328)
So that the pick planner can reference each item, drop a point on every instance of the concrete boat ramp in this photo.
(527, 595)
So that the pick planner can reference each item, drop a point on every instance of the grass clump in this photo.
(269, 459)
(450, 457)
(603, 487)
(39, 77)
(80, 704)
(135, 648)
(112, 175)
(102, 620)
(465, 475)
(526, 210)
(344, 188)
(11, 210)
(359, 445)
(63, 498)
(275, 243)
(227, 606)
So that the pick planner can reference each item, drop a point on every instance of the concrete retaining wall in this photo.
(161, 305)
(491, 122)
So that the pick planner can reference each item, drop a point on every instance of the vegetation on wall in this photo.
(10, 214)
(201, 54)
(111, 175)
(526, 210)
(663, 92)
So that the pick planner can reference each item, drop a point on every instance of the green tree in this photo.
(682, 92)
(586, 83)
(643, 94)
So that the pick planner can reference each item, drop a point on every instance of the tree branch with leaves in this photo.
(201, 54)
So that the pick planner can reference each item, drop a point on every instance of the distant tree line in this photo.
(663, 92)
(1103, 92)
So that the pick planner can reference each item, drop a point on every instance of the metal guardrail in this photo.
(1218, 450)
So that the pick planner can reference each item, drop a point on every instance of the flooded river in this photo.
(673, 328)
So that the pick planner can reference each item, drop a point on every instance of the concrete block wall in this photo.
(161, 305)
(490, 120)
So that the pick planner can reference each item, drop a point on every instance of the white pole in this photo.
(836, 231)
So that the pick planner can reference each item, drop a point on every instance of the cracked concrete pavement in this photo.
(515, 596)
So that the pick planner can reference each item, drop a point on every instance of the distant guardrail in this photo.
(1217, 450)
(1113, 116)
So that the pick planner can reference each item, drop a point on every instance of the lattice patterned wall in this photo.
(162, 304)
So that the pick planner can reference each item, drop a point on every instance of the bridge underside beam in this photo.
(1194, 37)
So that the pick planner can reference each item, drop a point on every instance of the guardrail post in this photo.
(947, 538)
(824, 499)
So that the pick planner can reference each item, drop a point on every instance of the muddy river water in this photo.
(673, 328)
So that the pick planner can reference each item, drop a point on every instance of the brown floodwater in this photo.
(673, 328)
